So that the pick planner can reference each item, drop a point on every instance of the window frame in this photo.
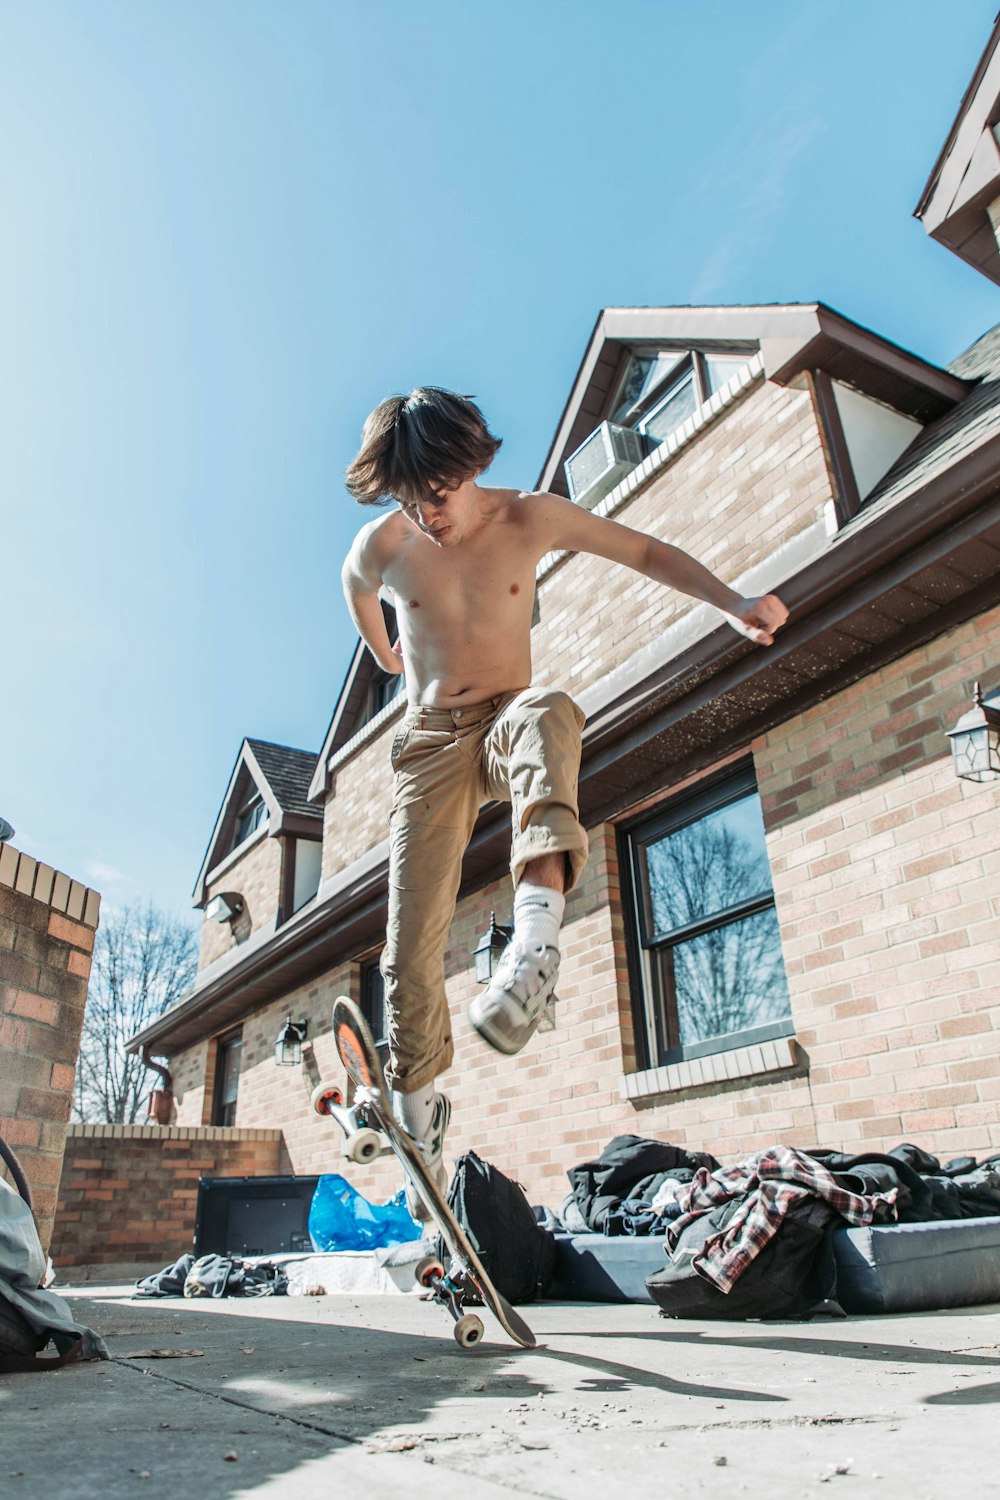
(657, 1041)
(252, 804)
(370, 979)
(689, 360)
(378, 697)
(224, 1046)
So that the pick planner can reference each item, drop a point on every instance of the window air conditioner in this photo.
(601, 460)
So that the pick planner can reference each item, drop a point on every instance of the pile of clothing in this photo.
(754, 1239)
(214, 1276)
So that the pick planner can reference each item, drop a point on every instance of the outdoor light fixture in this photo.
(6, 831)
(975, 740)
(491, 945)
(288, 1044)
(224, 907)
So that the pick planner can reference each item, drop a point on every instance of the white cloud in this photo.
(103, 875)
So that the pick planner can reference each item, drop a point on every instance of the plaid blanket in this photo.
(769, 1182)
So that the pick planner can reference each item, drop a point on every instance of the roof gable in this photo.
(791, 338)
(353, 707)
(280, 775)
(966, 176)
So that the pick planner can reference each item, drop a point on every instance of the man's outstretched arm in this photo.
(568, 528)
(362, 577)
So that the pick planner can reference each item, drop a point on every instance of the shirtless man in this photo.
(459, 559)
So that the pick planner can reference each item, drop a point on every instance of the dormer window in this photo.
(669, 413)
(657, 392)
(384, 687)
(643, 373)
(660, 389)
(250, 819)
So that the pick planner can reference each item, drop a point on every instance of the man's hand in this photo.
(758, 619)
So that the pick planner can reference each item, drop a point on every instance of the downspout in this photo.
(160, 1106)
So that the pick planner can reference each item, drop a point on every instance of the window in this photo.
(643, 373)
(250, 819)
(705, 952)
(680, 402)
(384, 687)
(373, 1006)
(660, 389)
(227, 1078)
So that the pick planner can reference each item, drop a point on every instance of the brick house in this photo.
(788, 927)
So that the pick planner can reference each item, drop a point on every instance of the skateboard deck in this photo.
(372, 1114)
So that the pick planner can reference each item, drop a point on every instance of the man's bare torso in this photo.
(463, 610)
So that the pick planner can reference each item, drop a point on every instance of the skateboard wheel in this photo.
(362, 1147)
(428, 1270)
(323, 1096)
(468, 1331)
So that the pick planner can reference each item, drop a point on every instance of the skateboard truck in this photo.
(363, 1142)
(430, 1273)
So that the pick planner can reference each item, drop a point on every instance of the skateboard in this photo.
(368, 1124)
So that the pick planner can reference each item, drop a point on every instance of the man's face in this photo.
(443, 515)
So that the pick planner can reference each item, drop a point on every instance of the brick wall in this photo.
(356, 815)
(885, 870)
(47, 924)
(754, 480)
(256, 875)
(129, 1193)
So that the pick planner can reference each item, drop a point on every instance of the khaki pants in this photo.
(522, 748)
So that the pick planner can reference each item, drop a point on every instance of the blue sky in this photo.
(231, 227)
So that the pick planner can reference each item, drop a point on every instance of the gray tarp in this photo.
(22, 1266)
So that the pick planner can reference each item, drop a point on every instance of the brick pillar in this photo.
(47, 925)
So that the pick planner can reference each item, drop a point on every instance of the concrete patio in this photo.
(283, 1397)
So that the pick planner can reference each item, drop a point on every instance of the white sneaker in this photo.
(431, 1149)
(508, 1013)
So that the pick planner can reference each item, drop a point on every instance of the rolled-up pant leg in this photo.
(532, 759)
(436, 800)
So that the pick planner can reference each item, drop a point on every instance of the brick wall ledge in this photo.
(718, 1067)
(233, 1133)
(19, 872)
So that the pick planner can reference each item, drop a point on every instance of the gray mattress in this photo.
(884, 1268)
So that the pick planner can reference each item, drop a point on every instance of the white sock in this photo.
(415, 1111)
(538, 914)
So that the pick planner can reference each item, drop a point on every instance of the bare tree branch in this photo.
(144, 962)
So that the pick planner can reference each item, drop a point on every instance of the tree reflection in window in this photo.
(709, 925)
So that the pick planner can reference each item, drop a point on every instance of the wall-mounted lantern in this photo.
(224, 907)
(975, 740)
(491, 945)
(288, 1043)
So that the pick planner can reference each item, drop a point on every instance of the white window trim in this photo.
(777, 1056)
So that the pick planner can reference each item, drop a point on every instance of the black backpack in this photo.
(517, 1254)
(794, 1275)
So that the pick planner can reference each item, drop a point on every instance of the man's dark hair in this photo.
(430, 438)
